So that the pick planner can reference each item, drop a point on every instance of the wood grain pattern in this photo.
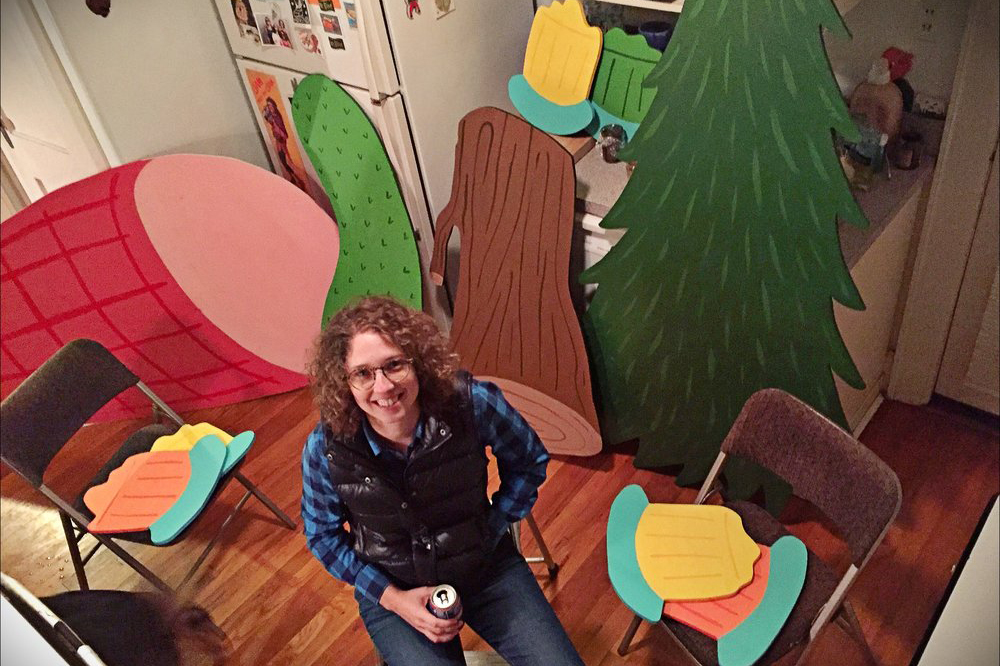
(512, 202)
(281, 608)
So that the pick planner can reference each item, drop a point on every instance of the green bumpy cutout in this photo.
(378, 253)
(623, 564)
(750, 640)
(207, 458)
(545, 115)
(626, 60)
(236, 449)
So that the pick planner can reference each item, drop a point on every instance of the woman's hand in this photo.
(411, 605)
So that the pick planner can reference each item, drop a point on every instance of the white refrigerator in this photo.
(415, 66)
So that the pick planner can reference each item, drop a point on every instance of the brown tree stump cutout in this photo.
(512, 201)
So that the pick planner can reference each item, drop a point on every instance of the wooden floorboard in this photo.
(280, 608)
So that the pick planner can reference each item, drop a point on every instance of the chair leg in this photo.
(629, 634)
(74, 551)
(215, 539)
(848, 621)
(265, 500)
(546, 555)
(132, 562)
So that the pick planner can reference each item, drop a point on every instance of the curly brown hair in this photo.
(411, 330)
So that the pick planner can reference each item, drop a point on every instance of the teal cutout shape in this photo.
(378, 253)
(626, 61)
(236, 449)
(751, 638)
(545, 115)
(207, 457)
(725, 278)
(623, 564)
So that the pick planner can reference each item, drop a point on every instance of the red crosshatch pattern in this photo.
(78, 263)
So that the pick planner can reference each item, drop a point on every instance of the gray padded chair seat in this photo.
(819, 585)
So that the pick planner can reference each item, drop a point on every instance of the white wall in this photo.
(161, 78)
(876, 25)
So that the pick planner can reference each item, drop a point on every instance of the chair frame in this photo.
(74, 524)
(835, 607)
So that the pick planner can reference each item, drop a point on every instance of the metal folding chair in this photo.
(42, 414)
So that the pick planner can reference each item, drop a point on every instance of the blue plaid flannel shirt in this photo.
(521, 461)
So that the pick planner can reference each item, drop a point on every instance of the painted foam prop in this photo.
(618, 96)
(514, 324)
(745, 624)
(188, 435)
(731, 258)
(204, 275)
(378, 254)
(163, 491)
(559, 65)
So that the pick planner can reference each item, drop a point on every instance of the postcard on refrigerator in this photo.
(278, 123)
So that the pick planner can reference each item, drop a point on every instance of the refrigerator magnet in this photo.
(331, 23)
(412, 7)
(352, 15)
(443, 7)
(300, 11)
(336, 44)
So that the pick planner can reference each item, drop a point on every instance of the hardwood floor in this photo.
(280, 607)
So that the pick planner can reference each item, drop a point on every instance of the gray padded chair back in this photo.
(824, 465)
(48, 407)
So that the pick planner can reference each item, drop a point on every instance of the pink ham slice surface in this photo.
(78, 263)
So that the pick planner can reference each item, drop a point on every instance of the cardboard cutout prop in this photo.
(378, 254)
(204, 275)
(746, 622)
(188, 435)
(559, 65)
(514, 324)
(619, 96)
(723, 283)
(163, 491)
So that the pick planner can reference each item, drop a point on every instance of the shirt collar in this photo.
(374, 439)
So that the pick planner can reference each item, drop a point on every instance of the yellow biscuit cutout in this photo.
(187, 436)
(562, 54)
(689, 552)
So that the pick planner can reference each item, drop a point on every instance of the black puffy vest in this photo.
(433, 528)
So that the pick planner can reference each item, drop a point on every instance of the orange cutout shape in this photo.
(718, 617)
(140, 491)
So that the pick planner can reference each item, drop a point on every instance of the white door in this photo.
(970, 371)
(46, 139)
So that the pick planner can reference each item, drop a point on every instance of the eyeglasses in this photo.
(395, 370)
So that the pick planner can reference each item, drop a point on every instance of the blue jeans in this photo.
(509, 612)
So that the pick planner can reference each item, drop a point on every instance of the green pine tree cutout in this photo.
(723, 283)
(378, 253)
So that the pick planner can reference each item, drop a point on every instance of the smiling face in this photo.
(391, 406)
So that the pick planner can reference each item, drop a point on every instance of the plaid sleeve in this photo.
(323, 515)
(521, 456)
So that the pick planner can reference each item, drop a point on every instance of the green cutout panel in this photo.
(545, 115)
(725, 279)
(750, 640)
(626, 60)
(623, 563)
(378, 253)
(207, 458)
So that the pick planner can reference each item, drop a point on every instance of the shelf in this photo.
(674, 7)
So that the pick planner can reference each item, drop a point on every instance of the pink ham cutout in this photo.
(138, 492)
(78, 263)
(254, 253)
(718, 617)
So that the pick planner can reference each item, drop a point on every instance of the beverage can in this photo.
(444, 602)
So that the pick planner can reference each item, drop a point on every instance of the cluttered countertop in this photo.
(599, 184)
